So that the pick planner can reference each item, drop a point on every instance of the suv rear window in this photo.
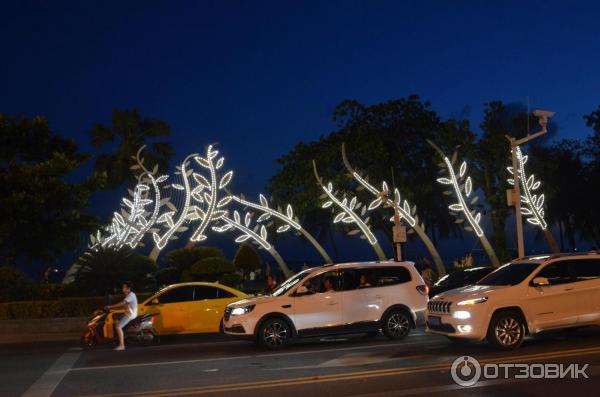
(382, 276)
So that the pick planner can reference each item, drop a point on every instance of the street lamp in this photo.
(514, 195)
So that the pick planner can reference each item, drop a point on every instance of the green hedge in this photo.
(66, 307)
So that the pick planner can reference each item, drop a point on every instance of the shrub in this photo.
(14, 284)
(232, 280)
(211, 269)
(247, 259)
(103, 270)
(65, 307)
(167, 276)
(183, 259)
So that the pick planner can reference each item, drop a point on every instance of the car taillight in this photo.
(423, 289)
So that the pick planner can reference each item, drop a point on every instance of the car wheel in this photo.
(396, 324)
(507, 330)
(274, 333)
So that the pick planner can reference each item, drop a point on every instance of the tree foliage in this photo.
(43, 211)
(131, 131)
(103, 270)
(247, 259)
(383, 139)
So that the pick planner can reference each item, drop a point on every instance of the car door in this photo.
(363, 301)
(319, 310)
(204, 311)
(172, 307)
(554, 305)
(587, 287)
(207, 309)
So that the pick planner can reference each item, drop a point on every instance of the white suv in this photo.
(333, 299)
(529, 295)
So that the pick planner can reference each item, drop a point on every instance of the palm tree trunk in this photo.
(489, 251)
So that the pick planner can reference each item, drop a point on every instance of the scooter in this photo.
(139, 331)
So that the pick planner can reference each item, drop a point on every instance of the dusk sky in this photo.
(259, 76)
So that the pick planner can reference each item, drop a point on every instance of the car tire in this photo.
(396, 324)
(274, 333)
(506, 330)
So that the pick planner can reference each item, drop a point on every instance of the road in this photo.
(353, 366)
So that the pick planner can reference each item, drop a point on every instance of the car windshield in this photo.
(509, 274)
(289, 283)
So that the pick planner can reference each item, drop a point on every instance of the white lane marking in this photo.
(351, 360)
(252, 356)
(50, 379)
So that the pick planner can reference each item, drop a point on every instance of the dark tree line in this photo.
(390, 138)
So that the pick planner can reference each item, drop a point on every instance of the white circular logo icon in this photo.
(465, 371)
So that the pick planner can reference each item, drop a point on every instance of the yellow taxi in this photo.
(187, 308)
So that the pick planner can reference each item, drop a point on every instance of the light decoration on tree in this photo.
(462, 185)
(347, 214)
(532, 203)
(405, 211)
(201, 197)
(257, 234)
(130, 225)
(462, 192)
(289, 220)
(382, 197)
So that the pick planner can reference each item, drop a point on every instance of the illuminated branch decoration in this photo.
(462, 186)
(201, 198)
(290, 222)
(532, 204)
(257, 234)
(132, 223)
(408, 214)
(348, 214)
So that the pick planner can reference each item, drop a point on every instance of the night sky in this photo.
(258, 76)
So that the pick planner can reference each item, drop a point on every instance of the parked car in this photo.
(187, 308)
(528, 295)
(334, 299)
(459, 278)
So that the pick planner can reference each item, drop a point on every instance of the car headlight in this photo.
(238, 311)
(472, 301)
(461, 314)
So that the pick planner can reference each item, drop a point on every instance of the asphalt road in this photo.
(355, 366)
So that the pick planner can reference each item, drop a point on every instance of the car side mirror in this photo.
(302, 290)
(540, 282)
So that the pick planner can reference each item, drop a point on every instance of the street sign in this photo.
(399, 234)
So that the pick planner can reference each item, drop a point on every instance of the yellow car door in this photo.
(204, 313)
(208, 307)
(173, 308)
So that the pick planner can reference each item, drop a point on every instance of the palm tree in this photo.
(132, 131)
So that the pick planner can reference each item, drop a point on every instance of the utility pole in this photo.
(514, 195)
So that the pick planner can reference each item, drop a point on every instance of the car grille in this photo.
(439, 306)
(227, 313)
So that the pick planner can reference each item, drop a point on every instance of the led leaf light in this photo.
(532, 204)
(347, 214)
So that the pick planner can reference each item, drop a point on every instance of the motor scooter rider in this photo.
(130, 305)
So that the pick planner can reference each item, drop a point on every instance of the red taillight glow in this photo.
(423, 289)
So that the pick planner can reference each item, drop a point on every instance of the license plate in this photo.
(434, 320)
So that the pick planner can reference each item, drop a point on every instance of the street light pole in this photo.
(543, 116)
